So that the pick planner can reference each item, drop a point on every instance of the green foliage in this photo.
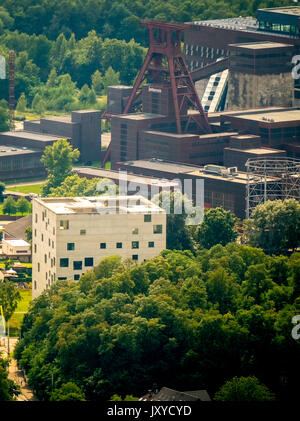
(76, 186)
(28, 234)
(175, 205)
(9, 206)
(38, 105)
(23, 206)
(4, 116)
(245, 389)
(97, 82)
(2, 189)
(9, 298)
(58, 160)
(8, 389)
(217, 228)
(178, 320)
(110, 78)
(22, 104)
(67, 392)
(275, 226)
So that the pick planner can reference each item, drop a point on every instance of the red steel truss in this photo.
(164, 62)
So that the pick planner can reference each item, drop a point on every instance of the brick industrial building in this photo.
(222, 186)
(20, 151)
(210, 40)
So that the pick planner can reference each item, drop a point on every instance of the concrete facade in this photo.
(260, 76)
(71, 235)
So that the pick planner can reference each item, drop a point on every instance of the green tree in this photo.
(8, 389)
(110, 78)
(28, 234)
(81, 186)
(58, 160)
(67, 392)
(9, 206)
(217, 228)
(84, 94)
(38, 104)
(23, 206)
(178, 234)
(4, 116)
(9, 298)
(244, 389)
(275, 226)
(97, 82)
(2, 189)
(22, 104)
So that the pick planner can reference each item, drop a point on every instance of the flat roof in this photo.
(240, 178)
(23, 134)
(160, 165)
(289, 10)
(257, 151)
(124, 175)
(246, 24)
(17, 243)
(134, 204)
(9, 150)
(271, 116)
(140, 116)
(66, 118)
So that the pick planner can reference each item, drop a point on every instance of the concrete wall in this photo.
(258, 91)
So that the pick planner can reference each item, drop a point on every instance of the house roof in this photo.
(16, 229)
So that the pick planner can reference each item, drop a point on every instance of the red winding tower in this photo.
(165, 63)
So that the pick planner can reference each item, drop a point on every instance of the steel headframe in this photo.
(164, 63)
(271, 179)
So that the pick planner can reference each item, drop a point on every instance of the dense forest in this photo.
(115, 19)
(69, 51)
(181, 320)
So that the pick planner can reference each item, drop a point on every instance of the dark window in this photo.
(135, 244)
(147, 218)
(157, 229)
(77, 265)
(103, 245)
(71, 246)
(64, 263)
(151, 244)
(135, 257)
(82, 232)
(89, 261)
(119, 245)
(76, 277)
(62, 278)
(34, 284)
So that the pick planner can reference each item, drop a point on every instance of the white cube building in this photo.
(71, 235)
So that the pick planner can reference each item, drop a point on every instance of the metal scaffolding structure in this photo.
(271, 179)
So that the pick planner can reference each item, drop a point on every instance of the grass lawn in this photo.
(32, 188)
(22, 308)
(15, 214)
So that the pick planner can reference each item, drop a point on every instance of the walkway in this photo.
(14, 373)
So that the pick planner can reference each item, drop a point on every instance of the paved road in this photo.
(28, 183)
(15, 374)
